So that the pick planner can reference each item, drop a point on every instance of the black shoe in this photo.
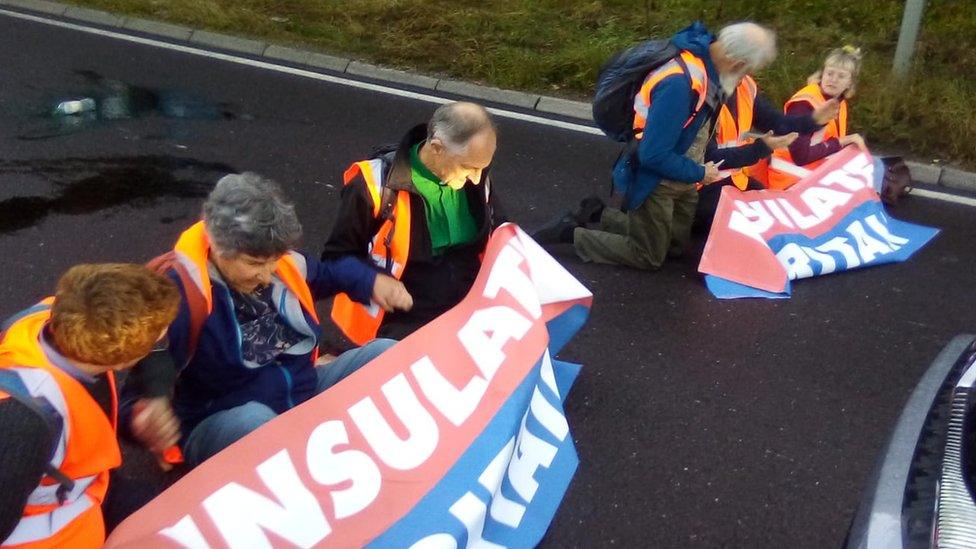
(590, 210)
(558, 231)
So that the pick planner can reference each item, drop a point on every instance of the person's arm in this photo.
(670, 109)
(346, 274)
(766, 118)
(737, 157)
(802, 151)
(24, 451)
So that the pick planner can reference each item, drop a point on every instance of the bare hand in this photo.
(854, 139)
(779, 141)
(390, 294)
(155, 424)
(711, 172)
(826, 112)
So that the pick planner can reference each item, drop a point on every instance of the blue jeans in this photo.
(225, 427)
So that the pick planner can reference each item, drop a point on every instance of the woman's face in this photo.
(836, 78)
(245, 273)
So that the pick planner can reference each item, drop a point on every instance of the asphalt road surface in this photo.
(698, 422)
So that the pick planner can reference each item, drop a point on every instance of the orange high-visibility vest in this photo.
(699, 83)
(86, 450)
(192, 251)
(783, 171)
(388, 250)
(732, 128)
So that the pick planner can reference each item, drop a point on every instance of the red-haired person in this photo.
(58, 404)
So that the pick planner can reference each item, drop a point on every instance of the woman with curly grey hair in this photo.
(246, 337)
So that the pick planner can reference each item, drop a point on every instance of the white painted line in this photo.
(946, 197)
(298, 72)
(371, 87)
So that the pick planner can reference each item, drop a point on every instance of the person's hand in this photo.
(854, 139)
(390, 294)
(711, 172)
(154, 423)
(779, 141)
(826, 112)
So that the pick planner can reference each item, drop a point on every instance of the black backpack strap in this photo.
(11, 384)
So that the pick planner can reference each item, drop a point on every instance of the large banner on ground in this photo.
(455, 437)
(832, 220)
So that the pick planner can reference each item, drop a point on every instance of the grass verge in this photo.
(556, 46)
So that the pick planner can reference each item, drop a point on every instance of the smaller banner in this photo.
(830, 221)
(455, 437)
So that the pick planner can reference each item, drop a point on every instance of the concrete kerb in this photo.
(958, 179)
(96, 17)
(166, 30)
(922, 173)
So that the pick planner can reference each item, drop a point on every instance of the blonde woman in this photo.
(836, 81)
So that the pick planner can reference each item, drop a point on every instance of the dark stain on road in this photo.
(86, 185)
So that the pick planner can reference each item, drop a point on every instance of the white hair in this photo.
(454, 124)
(749, 43)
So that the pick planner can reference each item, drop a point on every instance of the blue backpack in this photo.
(620, 80)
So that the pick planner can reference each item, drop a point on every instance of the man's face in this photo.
(456, 169)
(243, 272)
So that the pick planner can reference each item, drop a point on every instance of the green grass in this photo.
(556, 46)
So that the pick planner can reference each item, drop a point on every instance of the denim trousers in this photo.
(225, 427)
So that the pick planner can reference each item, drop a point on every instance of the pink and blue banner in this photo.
(454, 437)
(830, 221)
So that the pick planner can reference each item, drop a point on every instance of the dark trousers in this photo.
(708, 198)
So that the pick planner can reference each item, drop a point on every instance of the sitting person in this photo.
(246, 338)
(742, 158)
(423, 214)
(837, 79)
(58, 404)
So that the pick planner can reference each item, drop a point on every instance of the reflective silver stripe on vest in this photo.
(48, 494)
(291, 310)
(43, 385)
(41, 527)
(779, 164)
(193, 271)
(640, 107)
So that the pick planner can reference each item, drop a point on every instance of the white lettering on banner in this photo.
(240, 513)
(506, 274)
(753, 220)
(896, 242)
(398, 453)
(823, 201)
(456, 405)
(503, 510)
(245, 518)
(186, 533)
(487, 331)
(329, 468)
(518, 461)
(827, 262)
(750, 219)
(857, 174)
(778, 213)
(799, 261)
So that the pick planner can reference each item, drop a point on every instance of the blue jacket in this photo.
(216, 377)
(660, 152)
